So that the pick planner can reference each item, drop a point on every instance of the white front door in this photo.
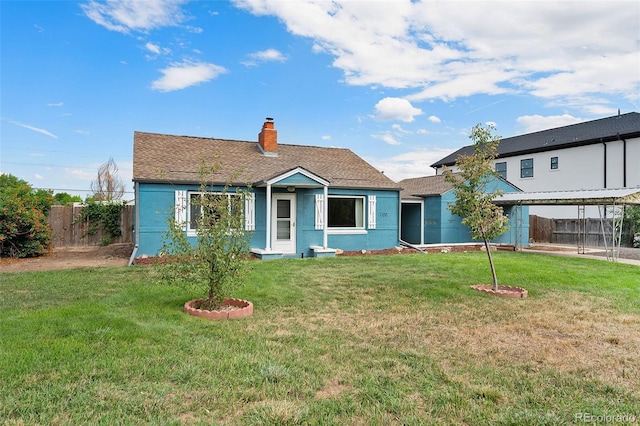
(283, 223)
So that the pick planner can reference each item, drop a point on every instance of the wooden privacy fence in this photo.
(565, 231)
(68, 231)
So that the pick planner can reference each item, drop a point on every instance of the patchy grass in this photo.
(364, 340)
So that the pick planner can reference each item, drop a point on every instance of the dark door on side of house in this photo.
(410, 223)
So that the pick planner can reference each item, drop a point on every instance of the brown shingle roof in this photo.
(424, 186)
(169, 158)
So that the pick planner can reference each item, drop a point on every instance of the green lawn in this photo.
(371, 340)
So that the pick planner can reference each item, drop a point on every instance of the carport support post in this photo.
(617, 220)
(582, 229)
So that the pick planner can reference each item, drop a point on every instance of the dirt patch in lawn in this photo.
(70, 258)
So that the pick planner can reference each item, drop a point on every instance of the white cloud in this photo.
(396, 109)
(80, 174)
(269, 55)
(410, 164)
(326, 137)
(154, 48)
(35, 129)
(56, 104)
(386, 137)
(434, 119)
(448, 50)
(186, 74)
(535, 123)
(131, 15)
(38, 176)
(194, 30)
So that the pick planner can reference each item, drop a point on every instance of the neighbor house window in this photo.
(346, 212)
(554, 163)
(196, 205)
(526, 168)
(501, 170)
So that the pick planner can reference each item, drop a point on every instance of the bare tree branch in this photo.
(108, 186)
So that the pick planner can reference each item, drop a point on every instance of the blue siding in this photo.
(385, 235)
(432, 220)
(298, 179)
(441, 226)
(156, 202)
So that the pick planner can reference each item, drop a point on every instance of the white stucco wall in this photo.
(581, 167)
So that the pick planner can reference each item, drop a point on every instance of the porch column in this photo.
(268, 227)
(325, 218)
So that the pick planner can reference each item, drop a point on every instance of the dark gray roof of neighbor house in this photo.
(623, 126)
(421, 187)
(176, 159)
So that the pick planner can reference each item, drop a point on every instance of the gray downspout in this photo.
(136, 225)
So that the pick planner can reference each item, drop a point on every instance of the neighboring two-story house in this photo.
(598, 154)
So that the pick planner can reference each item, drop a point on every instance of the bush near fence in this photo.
(565, 231)
(68, 232)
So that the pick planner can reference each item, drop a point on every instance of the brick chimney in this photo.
(268, 138)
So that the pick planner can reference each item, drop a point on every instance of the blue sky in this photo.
(400, 83)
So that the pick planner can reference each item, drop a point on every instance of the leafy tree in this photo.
(474, 202)
(632, 217)
(63, 198)
(108, 185)
(24, 226)
(218, 261)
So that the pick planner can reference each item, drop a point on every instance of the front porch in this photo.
(316, 251)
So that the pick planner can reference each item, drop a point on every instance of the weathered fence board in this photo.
(70, 232)
(565, 231)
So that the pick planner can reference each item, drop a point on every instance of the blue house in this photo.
(426, 219)
(305, 200)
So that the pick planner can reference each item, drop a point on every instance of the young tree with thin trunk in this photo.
(108, 186)
(218, 261)
(474, 201)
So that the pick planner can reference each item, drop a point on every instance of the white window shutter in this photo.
(250, 212)
(319, 211)
(372, 212)
(181, 209)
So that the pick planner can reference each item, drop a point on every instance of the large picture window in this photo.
(346, 212)
(526, 168)
(196, 202)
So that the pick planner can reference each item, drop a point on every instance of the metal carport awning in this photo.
(582, 197)
(603, 198)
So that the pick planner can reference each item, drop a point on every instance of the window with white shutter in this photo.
(181, 209)
(250, 212)
(372, 212)
(319, 211)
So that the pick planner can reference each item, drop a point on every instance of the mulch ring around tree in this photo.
(503, 290)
